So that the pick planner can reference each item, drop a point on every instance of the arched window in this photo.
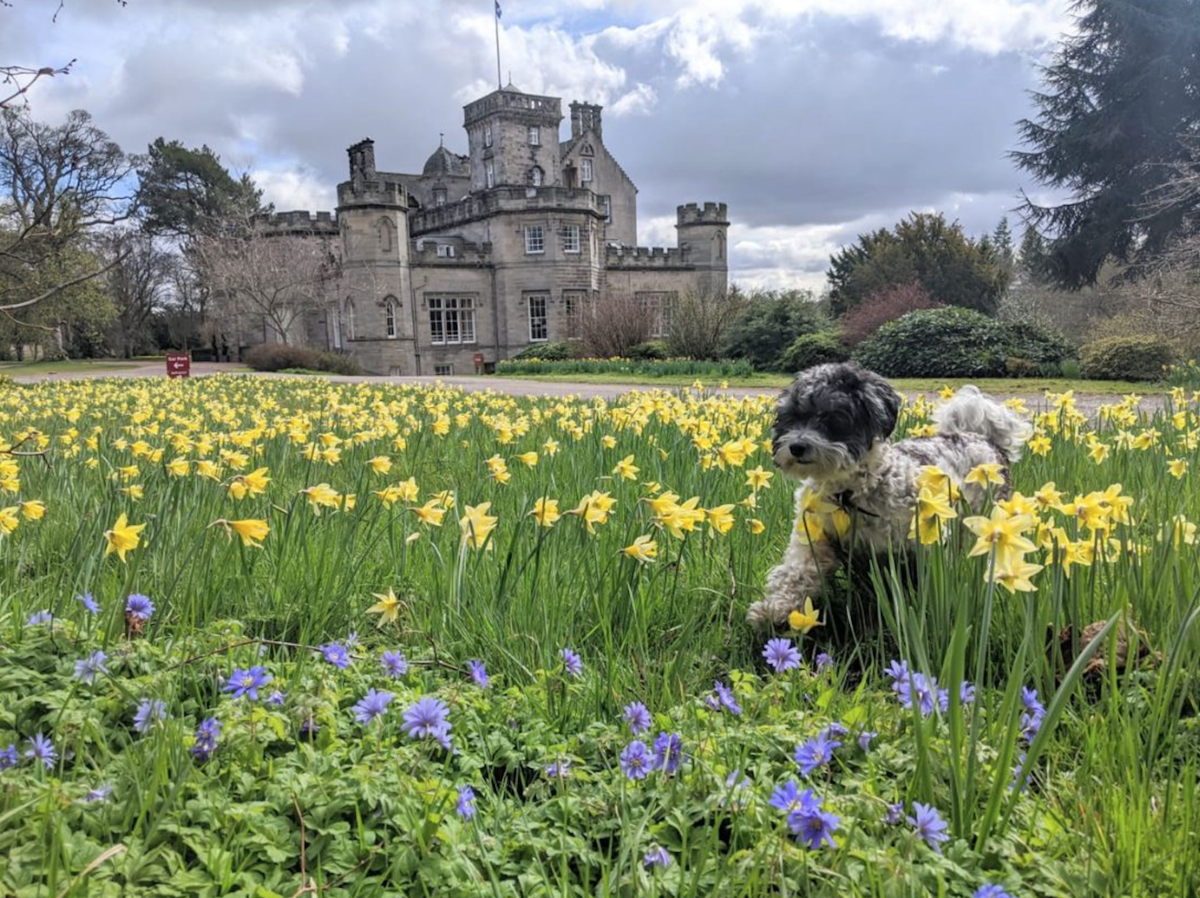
(386, 236)
(389, 317)
(535, 177)
(351, 324)
(719, 246)
(335, 328)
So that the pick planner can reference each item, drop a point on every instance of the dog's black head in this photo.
(829, 418)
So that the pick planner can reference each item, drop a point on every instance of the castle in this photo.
(480, 256)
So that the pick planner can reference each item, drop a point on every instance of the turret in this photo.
(585, 117)
(703, 230)
(512, 138)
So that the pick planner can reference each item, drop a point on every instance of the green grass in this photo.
(1110, 810)
(999, 386)
(66, 366)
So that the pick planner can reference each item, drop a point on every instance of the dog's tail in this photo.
(969, 411)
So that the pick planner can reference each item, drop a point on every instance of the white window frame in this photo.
(571, 241)
(606, 204)
(535, 135)
(351, 321)
(443, 370)
(573, 301)
(535, 240)
(439, 196)
(536, 176)
(585, 171)
(389, 318)
(487, 135)
(489, 173)
(451, 320)
(445, 250)
(539, 316)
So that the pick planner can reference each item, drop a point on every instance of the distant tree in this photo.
(59, 185)
(699, 321)
(261, 276)
(1002, 246)
(1121, 90)
(769, 323)
(612, 325)
(953, 268)
(880, 308)
(187, 193)
(137, 286)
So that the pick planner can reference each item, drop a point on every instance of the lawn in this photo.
(999, 386)
(273, 637)
(66, 366)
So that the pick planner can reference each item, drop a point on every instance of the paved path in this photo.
(1085, 402)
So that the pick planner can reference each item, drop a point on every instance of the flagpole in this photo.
(499, 81)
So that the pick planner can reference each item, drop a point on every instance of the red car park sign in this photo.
(179, 364)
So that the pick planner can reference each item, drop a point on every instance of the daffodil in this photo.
(1001, 534)
(985, 474)
(252, 531)
(430, 513)
(477, 524)
(380, 464)
(643, 549)
(33, 510)
(1015, 576)
(529, 459)
(803, 620)
(123, 537)
(932, 510)
(720, 518)
(388, 607)
(545, 512)
(9, 521)
(626, 469)
(1178, 468)
(322, 496)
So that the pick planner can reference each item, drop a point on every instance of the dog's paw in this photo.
(768, 613)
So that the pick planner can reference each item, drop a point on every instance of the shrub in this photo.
(769, 324)
(949, 342)
(651, 349)
(1043, 346)
(812, 349)
(277, 357)
(1126, 358)
(626, 366)
(700, 320)
(882, 307)
(550, 352)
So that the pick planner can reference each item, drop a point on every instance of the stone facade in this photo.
(483, 254)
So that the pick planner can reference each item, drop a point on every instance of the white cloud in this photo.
(294, 188)
(639, 101)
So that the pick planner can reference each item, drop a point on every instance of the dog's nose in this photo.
(799, 449)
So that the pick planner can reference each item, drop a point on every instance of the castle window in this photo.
(385, 235)
(351, 324)
(719, 240)
(439, 196)
(445, 250)
(657, 309)
(451, 319)
(443, 370)
(535, 136)
(570, 236)
(535, 240)
(573, 301)
(535, 177)
(539, 324)
(389, 317)
(585, 171)
(606, 205)
(489, 173)
(487, 136)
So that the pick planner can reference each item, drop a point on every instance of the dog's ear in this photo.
(882, 403)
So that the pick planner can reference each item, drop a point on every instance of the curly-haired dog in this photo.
(831, 432)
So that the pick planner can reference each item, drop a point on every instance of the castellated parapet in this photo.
(296, 221)
(709, 213)
(624, 257)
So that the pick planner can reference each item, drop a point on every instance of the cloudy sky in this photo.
(814, 119)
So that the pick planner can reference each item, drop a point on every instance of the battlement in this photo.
(626, 257)
(710, 213)
(513, 103)
(479, 205)
(296, 221)
(362, 191)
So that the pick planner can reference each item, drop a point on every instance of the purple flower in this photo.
(277, 698)
(1031, 720)
(351, 639)
(139, 607)
(823, 661)
(478, 673)
(636, 761)
(929, 825)
(865, 738)
(723, 697)
(87, 669)
(814, 827)
(42, 749)
(816, 752)
(335, 653)
(89, 603)
(100, 793)
(466, 802)
(247, 682)
(781, 654)
(637, 716)
(9, 758)
(309, 726)
(966, 693)
(558, 769)
(39, 617)
(898, 672)
(1020, 774)
(924, 692)
(372, 705)
(836, 730)
(789, 798)
(657, 857)
(895, 813)
(148, 711)
(668, 752)
(572, 662)
(991, 891)
(207, 735)
(428, 718)
(394, 664)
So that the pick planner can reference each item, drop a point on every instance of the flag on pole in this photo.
(498, 13)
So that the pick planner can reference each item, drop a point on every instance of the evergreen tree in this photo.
(1119, 96)
(188, 193)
